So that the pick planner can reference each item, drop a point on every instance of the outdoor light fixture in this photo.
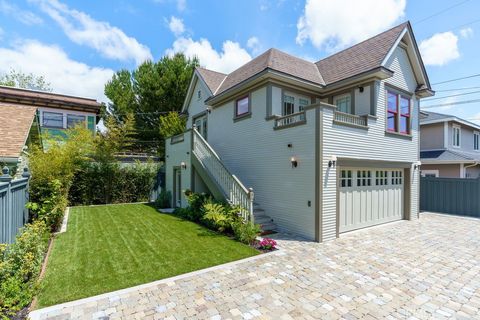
(294, 162)
(209, 109)
(332, 162)
(417, 165)
(183, 165)
(360, 88)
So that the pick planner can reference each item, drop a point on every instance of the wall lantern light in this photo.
(183, 165)
(294, 162)
(332, 162)
(417, 165)
(360, 89)
(209, 110)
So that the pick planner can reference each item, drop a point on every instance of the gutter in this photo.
(471, 165)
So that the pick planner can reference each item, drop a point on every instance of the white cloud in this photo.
(25, 17)
(440, 49)
(65, 75)
(231, 57)
(176, 26)
(181, 5)
(254, 45)
(110, 41)
(334, 24)
(466, 33)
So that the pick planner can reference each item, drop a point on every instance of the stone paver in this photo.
(422, 269)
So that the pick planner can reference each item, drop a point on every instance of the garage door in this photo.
(369, 197)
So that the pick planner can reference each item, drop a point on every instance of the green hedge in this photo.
(100, 183)
(20, 265)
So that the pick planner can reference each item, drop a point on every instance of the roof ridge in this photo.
(361, 42)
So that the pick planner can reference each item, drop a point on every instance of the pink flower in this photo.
(267, 244)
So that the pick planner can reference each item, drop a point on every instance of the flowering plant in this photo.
(267, 244)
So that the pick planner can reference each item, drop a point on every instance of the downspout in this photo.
(469, 166)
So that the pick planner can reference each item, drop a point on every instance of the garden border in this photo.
(37, 314)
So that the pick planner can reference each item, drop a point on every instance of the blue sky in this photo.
(77, 45)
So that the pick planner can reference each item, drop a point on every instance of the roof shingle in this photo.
(213, 79)
(16, 123)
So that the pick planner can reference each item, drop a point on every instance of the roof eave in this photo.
(380, 73)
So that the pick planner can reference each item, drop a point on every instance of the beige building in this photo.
(450, 146)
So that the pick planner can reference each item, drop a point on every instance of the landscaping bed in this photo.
(111, 247)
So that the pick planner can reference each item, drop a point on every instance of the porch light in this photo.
(183, 165)
(333, 161)
(294, 162)
(417, 165)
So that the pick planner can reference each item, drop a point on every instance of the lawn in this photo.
(112, 247)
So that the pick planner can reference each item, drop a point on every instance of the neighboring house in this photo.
(450, 146)
(56, 112)
(18, 129)
(327, 147)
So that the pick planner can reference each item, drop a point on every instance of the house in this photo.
(19, 128)
(316, 149)
(449, 146)
(56, 112)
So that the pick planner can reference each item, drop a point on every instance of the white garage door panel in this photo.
(369, 197)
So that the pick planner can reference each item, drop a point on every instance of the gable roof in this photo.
(362, 57)
(20, 96)
(212, 79)
(276, 60)
(429, 117)
(16, 123)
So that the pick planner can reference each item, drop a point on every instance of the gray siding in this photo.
(174, 155)
(466, 137)
(196, 105)
(432, 136)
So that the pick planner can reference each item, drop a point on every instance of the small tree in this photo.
(172, 124)
(22, 80)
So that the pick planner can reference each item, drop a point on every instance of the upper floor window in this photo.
(74, 119)
(288, 105)
(302, 103)
(242, 106)
(199, 94)
(456, 136)
(398, 113)
(343, 103)
(476, 137)
(52, 119)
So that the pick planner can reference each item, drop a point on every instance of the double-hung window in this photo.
(74, 119)
(476, 138)
(456, 136)
(288, 105)
(343, 103)
(52, 119)
(398, 113)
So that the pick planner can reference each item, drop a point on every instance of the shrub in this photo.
(51, 204)
(267, 244)
(164, 199)
(196, 201)
(20, 265)
(220, 216)
(246, 232)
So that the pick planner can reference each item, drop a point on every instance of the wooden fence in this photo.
(450, 195)
(13, 199)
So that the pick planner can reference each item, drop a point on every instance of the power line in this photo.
(457, 79)
(457, 89)
(450, 104)
(453, 95)
(440, 12)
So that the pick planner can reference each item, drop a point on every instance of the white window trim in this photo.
(476, 133)
(435, 172)
(455, 126)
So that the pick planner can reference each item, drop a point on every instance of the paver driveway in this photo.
(423, 269)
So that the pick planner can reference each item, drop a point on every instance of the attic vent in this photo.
(199, 94)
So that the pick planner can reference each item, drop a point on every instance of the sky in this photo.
(78, 45)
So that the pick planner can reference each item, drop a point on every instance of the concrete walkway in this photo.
(419, 270)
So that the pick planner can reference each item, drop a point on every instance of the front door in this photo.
(177, 187)
(201, 124)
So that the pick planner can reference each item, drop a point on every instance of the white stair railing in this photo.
(235, 192)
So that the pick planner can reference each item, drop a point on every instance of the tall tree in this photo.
(22, 80)
(150, 91)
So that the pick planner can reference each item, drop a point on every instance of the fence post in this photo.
(251, 196)
(5, 177)
(26, 174)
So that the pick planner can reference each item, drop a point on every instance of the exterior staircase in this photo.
(225, 185)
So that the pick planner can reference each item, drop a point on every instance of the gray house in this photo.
(316, 149)
(450, 146)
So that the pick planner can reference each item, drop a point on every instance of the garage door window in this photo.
(381, 178)
(364, 178)
(396, 178)
(346, 178)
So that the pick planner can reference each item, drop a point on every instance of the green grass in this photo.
(112, 247)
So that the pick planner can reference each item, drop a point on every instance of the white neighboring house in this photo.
(326, 147)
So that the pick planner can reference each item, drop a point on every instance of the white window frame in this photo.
(429, 172)
(476, 140)
(77, 115)
(456, 128)
(55, 113)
